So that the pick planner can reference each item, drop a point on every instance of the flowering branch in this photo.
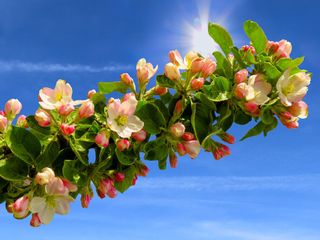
(44, 158)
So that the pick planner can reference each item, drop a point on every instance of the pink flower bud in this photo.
(288, 120)
(2, 113)
(251, 107)
(284, 49)
(176, 59)
(106, 187)
(21, 207)
(35, 220)
(227, 138)
(272, 47)
(173, 161)
(128, 96)
(119, 177)
(86, 110)
(188, 136)
(221, 151)
(143, 171)
(66, 109)
(247, 48)
(193, 148)
(134, 180)
(3, 123)
(197, 65)
(172, 72)
(299, 109)
(241, 76)
(209, 66)
(126, 79)
(241, 90)
(178, 107)
(85, 200)
(12, 108)
(177, 129)
(102, 139)
(139, 136)
(91, 93)
(123, 144)
(43, 118)
(196, 84)
(22, 121)
(158, 90)
(181, 149)
(43, 177)
(69, 185)
(67, 129)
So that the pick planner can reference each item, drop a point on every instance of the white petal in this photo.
(37, 204)
(46, 215)
(128, 107)
(62, 205)
(134, 123)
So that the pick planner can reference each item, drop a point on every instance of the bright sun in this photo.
(197, 37)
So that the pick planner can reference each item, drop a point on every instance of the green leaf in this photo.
(256, 35)
(152, 117)
(74, 172)
(285, 63)
(48, 156)
(272, 125)
(223, 64)
(201, 120)
(256, 130)
(13, 169)
(206, 101)
(23, 144)
(163, 109)
(237, 56)
(218, 90)
(40, 132)
(156, 150)
(129, 174)
(272, 73)
(110, 87)
(126, 158)
(163, 81)
(241, 118)
(267, 116)
(221, 37)
(162, 164)
(226, 118)
(80, 152)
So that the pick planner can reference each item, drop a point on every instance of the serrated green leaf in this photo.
(13, 169)
(256, 35)
(221, 37)
(23, 144)
(110, 87)
(152, 117)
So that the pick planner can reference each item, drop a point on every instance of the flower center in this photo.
(50, 201)
(288, 89)
(122, 120)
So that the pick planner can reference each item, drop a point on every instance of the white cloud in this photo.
(20, 66)
(229, 183)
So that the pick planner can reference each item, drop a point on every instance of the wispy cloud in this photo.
(20, 66)
(285, 183)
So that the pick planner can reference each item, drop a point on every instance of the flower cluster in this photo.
(45, 165)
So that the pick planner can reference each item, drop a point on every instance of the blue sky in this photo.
(266, 190)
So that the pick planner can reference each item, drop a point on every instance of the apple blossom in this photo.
(176, 59)
(221, 151)
(91, 93)
(139, 136)
(102, 139)
(173, 161)
(145, 71)
(177, 129)
(172, 72)
(123, 144)
(51, 99)
(106, 187)
(12, 108)
(67, 129)
(20, 207)
(241, 76)
(299, 109)
(188, 59)
(86, 110)
(188, 136)
(43, 118)
(55, 200)
(143, 171)
(193, 148)
(159, 90)
(22, 122)
(181, 149)
(196, 84)
(65, 109)
(209, 66)
(292, 88)
(85, 200)
(121, 118)
(261, 89)
(43, 177)
(35, 220)
(227, 138)
(119, 177)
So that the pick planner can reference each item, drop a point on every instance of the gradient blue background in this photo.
(268, 189)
